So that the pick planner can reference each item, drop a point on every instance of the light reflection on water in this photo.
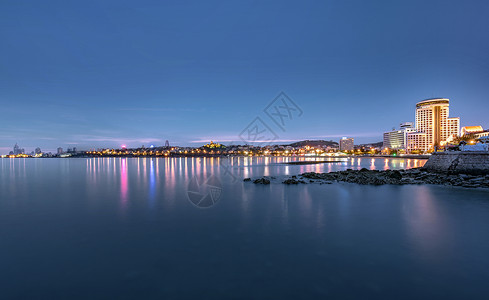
(129, 219)
(425, 225)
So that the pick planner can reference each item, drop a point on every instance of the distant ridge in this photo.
(371, 145)
(314, 143)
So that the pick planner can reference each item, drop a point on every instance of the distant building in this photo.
(397, 139)
(482, 134)
(471, 130)
(346, 144)
(37, 151)
(434, 127)
(60, 150)
(17, 150)
(71, 150)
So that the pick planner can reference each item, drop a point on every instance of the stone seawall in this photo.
(457, 162)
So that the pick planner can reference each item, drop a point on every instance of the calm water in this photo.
(125, 228)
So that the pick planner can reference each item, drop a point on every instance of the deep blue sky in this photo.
(106, 73)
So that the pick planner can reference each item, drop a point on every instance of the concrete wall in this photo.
(456, 162)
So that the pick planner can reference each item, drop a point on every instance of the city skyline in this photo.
(92, 75)
(397, 140)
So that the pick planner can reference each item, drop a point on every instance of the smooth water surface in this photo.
(125, 228)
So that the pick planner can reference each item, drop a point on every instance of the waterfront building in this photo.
(346, 144)
(483, 134)
(397, 139)
(60, 150)
(434, 127)
(471, 130)
(417, 141)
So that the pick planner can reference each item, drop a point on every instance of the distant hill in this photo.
(315, 143)
(369, 145)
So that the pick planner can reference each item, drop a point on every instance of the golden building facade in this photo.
(434, 127)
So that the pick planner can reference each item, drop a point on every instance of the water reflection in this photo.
(427, 239)
(154, 179)
(152, 183)
(124, 185)
(424, 223)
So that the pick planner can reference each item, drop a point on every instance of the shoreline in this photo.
(221, 155)
(415, 176)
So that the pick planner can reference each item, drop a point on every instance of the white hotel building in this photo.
(434, 127)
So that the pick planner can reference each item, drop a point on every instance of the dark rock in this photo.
(395, 175)
(325, 182)
(261, 181)
(400, 177)
(247, 179)
(291, 181)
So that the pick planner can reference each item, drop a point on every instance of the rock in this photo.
(311, 175)
(291, 181)
(407, 181)
(247, 179)
(378, 177)
(261, 181)
(395, 175)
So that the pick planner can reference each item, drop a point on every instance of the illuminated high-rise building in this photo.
(346, 144)
(434, 127)
(397, 139)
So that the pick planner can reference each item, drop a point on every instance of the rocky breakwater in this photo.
(459, 162)
(397, 177)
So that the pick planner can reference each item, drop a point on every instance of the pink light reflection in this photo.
(124, 186)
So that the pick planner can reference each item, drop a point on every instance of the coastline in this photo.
(414, 156)
(415, 176)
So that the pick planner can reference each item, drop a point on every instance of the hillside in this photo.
(314, 143)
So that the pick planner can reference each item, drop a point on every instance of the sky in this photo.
(91, 74)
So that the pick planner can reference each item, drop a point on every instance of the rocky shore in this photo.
(376, 177)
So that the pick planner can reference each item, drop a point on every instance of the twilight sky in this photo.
(105, 73)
